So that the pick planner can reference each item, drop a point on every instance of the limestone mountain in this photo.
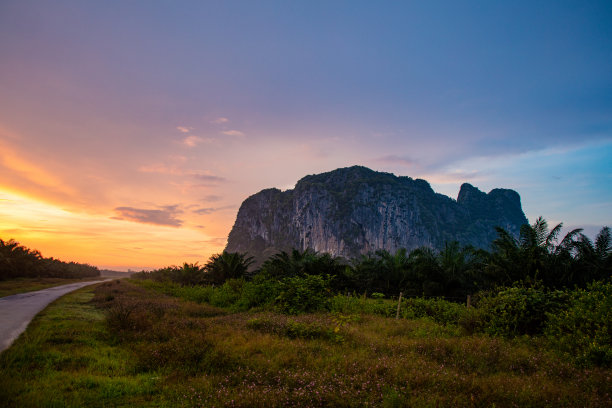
(355, 210)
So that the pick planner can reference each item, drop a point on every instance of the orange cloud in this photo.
(164, 216)
(233, 133)
(192, 141)
(103, 241)
(22, 175)
(184, 129)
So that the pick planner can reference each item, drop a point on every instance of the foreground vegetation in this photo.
(534, 285)
(18, 261)
(307, 329)
(129, 345)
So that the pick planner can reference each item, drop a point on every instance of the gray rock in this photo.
(355, 210)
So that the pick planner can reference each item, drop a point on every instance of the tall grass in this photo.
(88, 350)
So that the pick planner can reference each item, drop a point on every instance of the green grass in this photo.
(133, 346)
(22, 285)
(68, 358)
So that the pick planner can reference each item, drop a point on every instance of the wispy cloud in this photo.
(207, 177)
(233, 133)
(184, 129)
(176, 171)
(161, 169)
(165, 215)
(19, 171)
(397, 160)
(211, 198)
(210, 210)
(192, 140)
(453, 177)
(220, 121)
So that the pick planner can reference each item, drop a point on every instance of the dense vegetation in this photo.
(129, 345)
(17, 261)
(537, 255)
(307, 329)
(535, 285)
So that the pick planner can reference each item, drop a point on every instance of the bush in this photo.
(227, 294)
(472, 320)
(584, 329)
(520, 310)
(304, 294)
(439, 310)
(258, 293)
(120, 316)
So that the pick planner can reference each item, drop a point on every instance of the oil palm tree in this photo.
(227, 265)
(535, 255)
(594, 260)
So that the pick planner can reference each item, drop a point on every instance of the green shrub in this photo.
(347, 304)
(303, 294)
(258, 293)
(584, 329)
(520, 310)
(227, 294)
(439, 310)
(472, 320)
(198, 294)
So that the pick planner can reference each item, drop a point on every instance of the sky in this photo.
(131, 131)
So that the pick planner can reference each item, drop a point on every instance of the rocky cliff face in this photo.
(354, 210)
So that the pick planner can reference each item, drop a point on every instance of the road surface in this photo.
(17, 311)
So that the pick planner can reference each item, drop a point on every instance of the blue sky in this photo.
(168, 114)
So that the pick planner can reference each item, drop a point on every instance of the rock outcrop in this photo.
(355, 210)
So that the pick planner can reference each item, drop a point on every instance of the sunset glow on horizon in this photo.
(130, 133)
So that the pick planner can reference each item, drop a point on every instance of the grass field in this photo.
(22, 285)
(127, 345)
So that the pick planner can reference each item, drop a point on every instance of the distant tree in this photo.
(18, 261)
(394, 270)
(227, 265)
(538, 255)
(302, 263)
(594, 260)
(365, 273)
(190, 274)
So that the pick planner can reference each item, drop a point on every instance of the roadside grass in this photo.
(68, 358)
(22, 285)
(133, 346)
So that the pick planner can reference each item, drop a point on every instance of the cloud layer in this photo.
(165, 216)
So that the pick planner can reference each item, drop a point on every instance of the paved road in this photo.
(17, 311)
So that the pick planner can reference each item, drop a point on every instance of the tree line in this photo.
(538, 254)
(18, 261)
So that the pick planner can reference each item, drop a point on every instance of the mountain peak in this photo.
(468, 192)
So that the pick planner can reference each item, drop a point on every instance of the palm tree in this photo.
(302, 263)
(425, 272)
(227, 265)
(535, 255)
(594, 261)
(460, 268)
(394, 269)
